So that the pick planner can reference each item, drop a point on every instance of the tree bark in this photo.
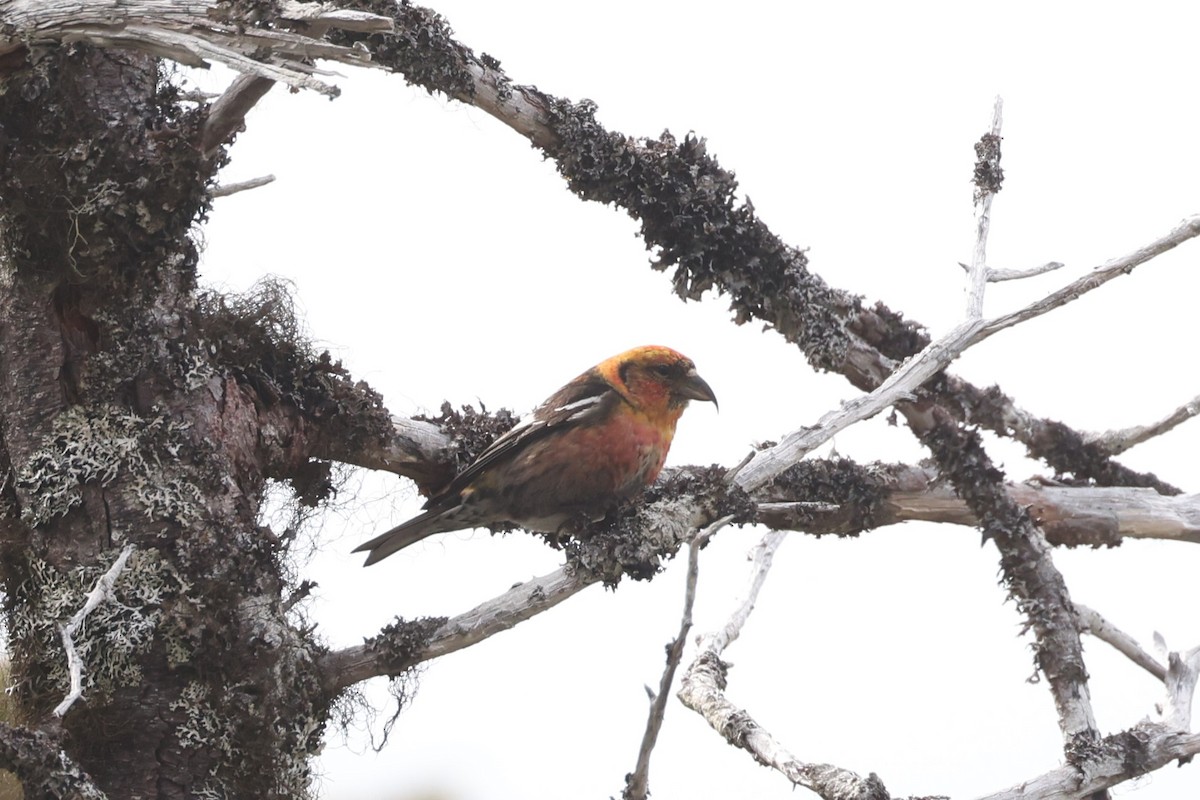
(131, 414)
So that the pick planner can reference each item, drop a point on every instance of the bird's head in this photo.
(656, 379)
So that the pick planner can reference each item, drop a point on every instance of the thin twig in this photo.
(1123, 265)
(637, 783)
(226, 189)
(1117, 442)
(996, 275)
(1092, 622)
(103, 590)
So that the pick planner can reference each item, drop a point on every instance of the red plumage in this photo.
(594, 443)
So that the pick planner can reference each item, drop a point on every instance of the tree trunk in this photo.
(124, 422)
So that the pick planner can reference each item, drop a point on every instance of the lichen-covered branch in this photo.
(403, 645)
(838, 496)
(46, 772)
(1033, 582)
(633, 543)
(1116, 759)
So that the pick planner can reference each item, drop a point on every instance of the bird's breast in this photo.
(584, 470)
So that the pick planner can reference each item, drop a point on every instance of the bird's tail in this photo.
(401, 536)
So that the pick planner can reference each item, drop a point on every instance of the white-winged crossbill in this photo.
(595, 443)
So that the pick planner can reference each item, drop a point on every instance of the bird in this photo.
(592, 445)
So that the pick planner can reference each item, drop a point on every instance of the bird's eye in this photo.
(662, 370)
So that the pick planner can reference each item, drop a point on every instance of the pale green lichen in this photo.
(195, 367)
(113, 635)
(95, 446)
(203, 726)
(207, 725)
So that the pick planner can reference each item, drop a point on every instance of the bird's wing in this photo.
(588, 397)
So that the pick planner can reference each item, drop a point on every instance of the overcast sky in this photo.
(440, 257)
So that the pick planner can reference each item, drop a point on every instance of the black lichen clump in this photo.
(422, 47)
(471, 432)
(1074, 460)
(889, 332)
(856, 492)
(690, 217)
(57, 136)
(402, 643)
(1032, 581)
(989, 176)
(960, 455)
(638, 538)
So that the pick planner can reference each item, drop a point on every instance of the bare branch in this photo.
(1185, 230)
(1029, 574)
(703, 691)
(227, 115)
(996, 275)
(637, 783)
(1091, 622)
(412, 448)
(102, 591)
(226, 189)
(1117, 442)
(351, 665)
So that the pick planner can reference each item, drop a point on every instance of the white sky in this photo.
(440, 257)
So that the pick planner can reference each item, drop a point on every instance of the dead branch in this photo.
(102, 591)
(1183, 670)
(1091, 622)
(1117, 442)
(195, 33)
(226, 189)
(1156, 746)
(1069, 515)
(996, 275)
(352, 665)
(227, 115)
(703, 691)
(637, 783)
